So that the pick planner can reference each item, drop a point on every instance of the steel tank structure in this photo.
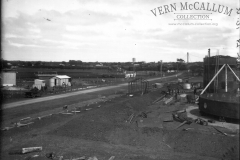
(221, 96)
(220, 104)
(211, 66)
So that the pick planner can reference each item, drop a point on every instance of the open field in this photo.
(30, 73)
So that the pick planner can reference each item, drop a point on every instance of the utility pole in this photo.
(177, 66)
(187, 64)
(134, 60)
(161, 69)
(208, 67)
(226, 80)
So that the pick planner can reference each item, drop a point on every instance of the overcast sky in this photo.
(111, 31)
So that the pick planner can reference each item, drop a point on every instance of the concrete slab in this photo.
(231, 126)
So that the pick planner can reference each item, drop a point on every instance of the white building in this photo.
(8, 78)
(60, 80)
(130, 74)
(38, 83)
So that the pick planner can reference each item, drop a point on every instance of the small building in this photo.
(60, 80)
(99, 65)
(171, 71)
(8, 77)
(52, 79)
(130, 74)
(38, 83)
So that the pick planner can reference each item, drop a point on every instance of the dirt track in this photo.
(26, 102)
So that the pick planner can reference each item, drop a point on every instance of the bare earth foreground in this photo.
(104, 128)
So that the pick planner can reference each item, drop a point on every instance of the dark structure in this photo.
(220, 104)
(221, 96)
(46, 75)
(212, 66)
(138, 84)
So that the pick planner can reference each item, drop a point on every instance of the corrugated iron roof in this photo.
(39, 80)
(62, 76)
(130, 72)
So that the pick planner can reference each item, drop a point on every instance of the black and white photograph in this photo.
(120, 79)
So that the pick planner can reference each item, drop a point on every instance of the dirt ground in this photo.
(104, 128)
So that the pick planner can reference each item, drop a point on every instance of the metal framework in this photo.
(226, 87)
(137, 85)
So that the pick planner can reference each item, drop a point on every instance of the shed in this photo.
(38, 83)
(60, 80)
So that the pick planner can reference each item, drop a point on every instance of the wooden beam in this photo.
(212, 79)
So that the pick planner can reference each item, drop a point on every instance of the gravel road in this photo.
(31, 101)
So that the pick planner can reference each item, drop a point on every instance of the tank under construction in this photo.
(221, 95)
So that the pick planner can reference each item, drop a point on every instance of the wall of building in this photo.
(8, 78)
(59, 82)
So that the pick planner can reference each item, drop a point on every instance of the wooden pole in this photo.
(208, 69)
(161, 69)
(226, 79)
(213, 79)
(187, 65)
(233, 73)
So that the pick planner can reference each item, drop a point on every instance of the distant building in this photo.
(99, 65)
(52, 79)
(171, 71)
(130, 74)
(8, 78)
(14, 67)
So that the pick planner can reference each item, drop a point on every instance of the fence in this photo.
(7, 94)
(77, 84)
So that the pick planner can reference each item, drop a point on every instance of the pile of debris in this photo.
(50, 155)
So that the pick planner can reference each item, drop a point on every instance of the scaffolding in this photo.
(138, 85)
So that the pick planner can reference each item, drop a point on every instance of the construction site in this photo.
(172, 117)
(113, 80)
(163, 118)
